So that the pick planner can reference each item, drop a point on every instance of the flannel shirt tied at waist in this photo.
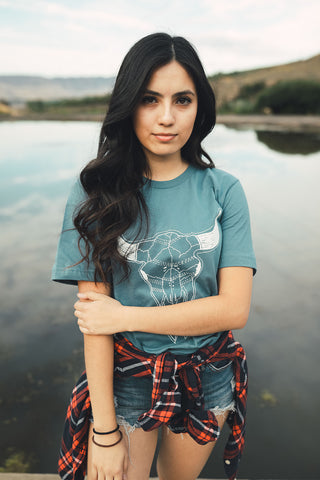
(177, 401)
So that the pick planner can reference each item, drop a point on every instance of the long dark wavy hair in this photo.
(114, 179)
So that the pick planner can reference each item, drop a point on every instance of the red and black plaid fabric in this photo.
(72, 462)
(177, 401)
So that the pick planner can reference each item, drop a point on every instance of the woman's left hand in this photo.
(98, 314)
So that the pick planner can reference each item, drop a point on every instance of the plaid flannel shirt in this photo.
(177, 401)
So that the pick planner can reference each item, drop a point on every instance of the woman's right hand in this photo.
(108, 463)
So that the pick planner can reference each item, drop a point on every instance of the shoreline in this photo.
(275, 123)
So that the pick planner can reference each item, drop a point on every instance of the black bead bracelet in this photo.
(107, 446)
(106, 433)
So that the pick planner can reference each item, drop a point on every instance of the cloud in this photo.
(244, 36)
(91, 37)
(100, 14)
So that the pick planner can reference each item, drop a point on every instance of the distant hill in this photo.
(227, 86)
(236, 92)
(16, 88)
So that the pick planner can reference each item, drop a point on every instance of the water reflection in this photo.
(290, 142)
(41, 348)
(33, 404)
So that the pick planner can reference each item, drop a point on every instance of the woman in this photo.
(159, 243)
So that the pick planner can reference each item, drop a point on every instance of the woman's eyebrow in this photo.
(184, 92)
(177, 94)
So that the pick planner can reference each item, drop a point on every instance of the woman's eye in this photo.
(184, 100)
(148, 99)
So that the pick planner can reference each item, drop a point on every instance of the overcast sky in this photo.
(89, 38)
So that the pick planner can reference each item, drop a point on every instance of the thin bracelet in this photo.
(106, 433)
(107, 446)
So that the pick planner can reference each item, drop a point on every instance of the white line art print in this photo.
(169, 263)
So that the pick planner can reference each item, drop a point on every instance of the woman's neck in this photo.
(162, 170)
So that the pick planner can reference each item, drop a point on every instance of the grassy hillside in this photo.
(228, 86)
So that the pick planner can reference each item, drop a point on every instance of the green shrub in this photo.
(290, 97)
(37, 106)
(238, 106)
(251, 89)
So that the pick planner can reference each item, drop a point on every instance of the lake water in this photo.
(41, 348)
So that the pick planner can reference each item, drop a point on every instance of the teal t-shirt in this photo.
(198, 222)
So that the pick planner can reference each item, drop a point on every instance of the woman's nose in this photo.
(166, 115)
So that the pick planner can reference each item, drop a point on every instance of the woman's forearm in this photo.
(99, 354)
(197, 317)
(99, 358)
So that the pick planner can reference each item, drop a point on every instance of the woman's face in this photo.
(165, 116)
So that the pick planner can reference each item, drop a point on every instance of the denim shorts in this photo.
(132, 395)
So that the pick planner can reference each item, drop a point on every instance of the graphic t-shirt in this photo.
(198, 222)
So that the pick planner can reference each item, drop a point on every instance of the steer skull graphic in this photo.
(169, 262)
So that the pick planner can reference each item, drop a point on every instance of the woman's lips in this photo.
(165, 137)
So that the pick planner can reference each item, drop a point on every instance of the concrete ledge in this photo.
(32, 476)
(29, 476)
(40, 476)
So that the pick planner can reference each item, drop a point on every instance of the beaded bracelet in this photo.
(107, 446)
(106, 433)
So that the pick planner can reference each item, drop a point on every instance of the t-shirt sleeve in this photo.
(237, 249)
(68, 254)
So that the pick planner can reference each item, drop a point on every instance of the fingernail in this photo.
(80, 295)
